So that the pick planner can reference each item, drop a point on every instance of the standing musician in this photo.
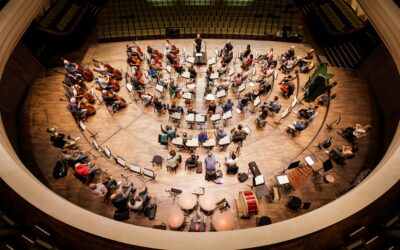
(197, 43)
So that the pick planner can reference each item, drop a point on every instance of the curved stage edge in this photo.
(14, 173)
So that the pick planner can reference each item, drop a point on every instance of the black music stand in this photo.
(174, 193)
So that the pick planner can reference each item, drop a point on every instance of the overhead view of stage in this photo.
(123, 143)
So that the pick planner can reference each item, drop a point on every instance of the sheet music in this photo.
(190, 117)
(231, 71)
(242, 87)
(107, 151)
(186, 74)
(210, 97)
(214, 76)
(168, 69)
(148, 172)
(211, 61)
(159, 88)
(209, 143)
(310, 160)
(227, 115)
(177, 141)
(215, 117)
(225, 140)
(193, 142)
(120, 161)
(190, 59)
(129, 87)
(200, 118)
(221, 93)
(95, 145)
(257, 101)
(282, 179)
(187, 95)
(285, 113)
(135, 168)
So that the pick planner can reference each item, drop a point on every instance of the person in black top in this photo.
(212, 108)
(119, 199)
(197, 43)
(192, 71)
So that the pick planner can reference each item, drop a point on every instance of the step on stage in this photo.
(200, 58)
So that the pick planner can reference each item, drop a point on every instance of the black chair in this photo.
(263, 221)
(157, 160)
(294, 203)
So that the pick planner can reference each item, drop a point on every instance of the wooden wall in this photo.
(384, 80)
(19, 73)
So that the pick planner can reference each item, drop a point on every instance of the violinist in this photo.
(198, 43)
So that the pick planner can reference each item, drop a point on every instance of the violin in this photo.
(86, 73)
(139, 51)
(156, 60)
(158, 54)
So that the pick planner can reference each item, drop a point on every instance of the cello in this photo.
(109, 69)
(90, 110)
(86, 73)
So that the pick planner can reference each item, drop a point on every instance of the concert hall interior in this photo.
(202, 124)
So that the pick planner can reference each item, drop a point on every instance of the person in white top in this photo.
(231, 163)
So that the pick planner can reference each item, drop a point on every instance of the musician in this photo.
(227, 58)
(289, 54)
(103, 81)
(73, 156)
(208, 75)
(174, 87)
(111, 99)
(71, 68)
(78, 113)
(198, 43)
(198, 223)
(267, 55)
(223, 69)
(210, 164)
(340, 154)
(220, 133)
(287, 89)
(192, 72)
(103, 189)
(243, 102)
(175, 107)
(355, 132)
(101, 68)
(61, 141)
(228, 47)
(120, 198)
(261, 118)
(146, 98)
(86, 169)
(228, 105)
(70, 80)
(237, 80)
(307, 67)
(246, 65)
(169, 130)
(273, 106)
(140, 200)
(308, 112)
(231, 163)
(131, 52)
(238, 134)
(245, 53)
(158, 105)
(308, 57)
(170, 48)
(300, 125)
(212, 108)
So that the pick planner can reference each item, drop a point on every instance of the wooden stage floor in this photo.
(132, 134)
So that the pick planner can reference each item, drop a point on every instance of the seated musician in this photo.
(174, 159)
(154, 73)
(175, 108)
(158, 105)
(208, 75)
(307, 67)
(71, 80)
(228, 105)
(237, 80)
(220, 133)
(245, 53)
(273, 106)
(120, 198)
(224, 85)
(146, 98)
(300, 125)
(353, 133)
(227, 48)
(111, 99)
(267, 55)
(198, 43)
(197, 223)
(61, 141)
(246, 65)
(86, 170)
(223, 69)
(73, 156)
(192, 161)
(288, 65)
(203, 137)
(340, 154)
(77, 112)
(212, 108)
(192, 72)
(103, 81)
(231, 163)
(227, 58)
(211, 166)
(264, 88)
(244, 102)
(137, 84)
(103, 189)
(131, 52)
(174, 87)
(139, 201)
(289, 54)
(261, 118)
(101, 68)
(71, 68)
(308, 113)
(307, 58)
(287, 89)
(238, 134)
(171, 59)
(169, 130)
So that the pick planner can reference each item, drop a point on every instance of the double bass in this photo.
(85, 94)
(109, 69)
(86, 73)
(90, 110)
(114, 84)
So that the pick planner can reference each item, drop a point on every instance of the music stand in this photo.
(294, 165)
(120, 161)
(107, 151)
(174, 193)
(83, 128)
(135, 168)
(324, 144)
(95, 144)
(336, 121)
(149, 173)
(327, 165)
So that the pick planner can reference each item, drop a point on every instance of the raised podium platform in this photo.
(200, 58)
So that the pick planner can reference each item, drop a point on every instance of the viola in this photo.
(139, 51)
(175, 49)
(138, 74)
(158, 54)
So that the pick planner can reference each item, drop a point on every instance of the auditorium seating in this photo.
(123, 19)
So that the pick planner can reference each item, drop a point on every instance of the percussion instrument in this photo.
(329, 178)
(247, 203)
(223, 221)
(187, 202)
(175, 218)
(207, 203)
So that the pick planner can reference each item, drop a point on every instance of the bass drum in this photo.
(248, 204)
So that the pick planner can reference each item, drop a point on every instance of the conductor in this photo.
(197, 43)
